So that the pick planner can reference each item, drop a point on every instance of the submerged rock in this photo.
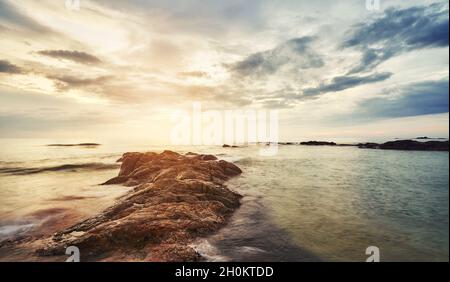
(177, 198)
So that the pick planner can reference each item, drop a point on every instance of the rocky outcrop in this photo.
(176, 199)
(416, 145)
(411, 145)
(318, 143)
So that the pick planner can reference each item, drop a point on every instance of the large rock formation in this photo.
(177, 198)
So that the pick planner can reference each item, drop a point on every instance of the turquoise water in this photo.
(305, 203)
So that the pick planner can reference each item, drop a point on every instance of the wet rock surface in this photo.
(177, 198)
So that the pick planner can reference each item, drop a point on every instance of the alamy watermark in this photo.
(74, 254)
(373, 253)
(73, 5)
(373, 5)
(234, 127)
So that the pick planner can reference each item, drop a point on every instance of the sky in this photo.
(334, 70)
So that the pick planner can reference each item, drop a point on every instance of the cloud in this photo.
(428, 97)
(340, 83)
(276, 104)
(196, 74)
(7, 67)
(12, 16)
(295, 52)
(399, 31)
(29, 113)
(212, 18)
(67, 82)
(76, 56)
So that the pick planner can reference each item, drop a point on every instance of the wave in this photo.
(40, 219)
(64, 167)
(8, 230)
(208, 251)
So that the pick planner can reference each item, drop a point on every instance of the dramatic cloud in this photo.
(429, 97)
(344, 82)
(295, 52)
(76, 56)
(399, 31)
(7, 67)
(313, 60)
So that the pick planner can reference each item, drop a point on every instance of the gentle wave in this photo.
(208, 251)
(9, 230)
(30, 223)
(64, 167)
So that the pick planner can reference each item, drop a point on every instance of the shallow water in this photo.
(305, 203)
(334, 202)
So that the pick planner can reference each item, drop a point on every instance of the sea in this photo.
(304, 203)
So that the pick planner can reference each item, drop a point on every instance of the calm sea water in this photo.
(305, 203)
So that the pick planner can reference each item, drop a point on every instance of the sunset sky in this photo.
(119, 69)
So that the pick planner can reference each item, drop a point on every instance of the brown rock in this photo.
(178, 198)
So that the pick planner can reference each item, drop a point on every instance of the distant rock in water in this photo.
(75, 145)
(178, 198)
(347, 145)
(318, 143)
(368, 145)
(229, 146)
(408, 145)
(429, 138)
(416, 145)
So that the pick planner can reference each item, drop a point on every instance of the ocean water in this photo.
(303, 204)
